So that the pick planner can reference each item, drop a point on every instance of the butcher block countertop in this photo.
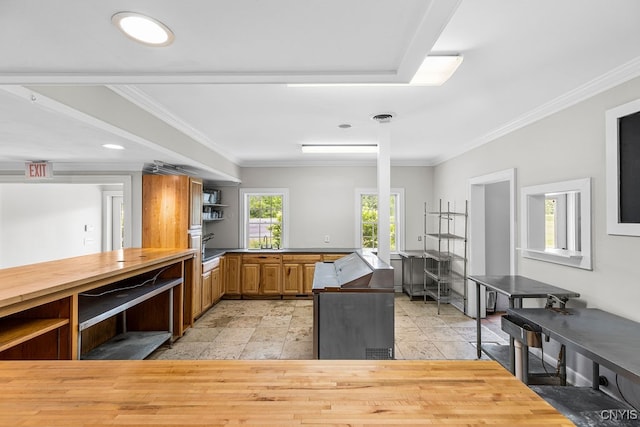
(274, 392)
(52, 279)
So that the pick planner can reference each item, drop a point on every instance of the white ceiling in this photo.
(222, 82)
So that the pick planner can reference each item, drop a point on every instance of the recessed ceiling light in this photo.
(339, 148)
(344, 126)
(113, 146)
(143, 29)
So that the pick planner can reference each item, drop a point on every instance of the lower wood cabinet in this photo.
(298, 272)
(261, 274)
(211, 290)
(271, 274)
(231, 275)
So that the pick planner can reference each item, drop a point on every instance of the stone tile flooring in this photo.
(282, 329)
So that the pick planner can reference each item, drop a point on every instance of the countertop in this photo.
(66, 276)
(275, 392)
(210, 253)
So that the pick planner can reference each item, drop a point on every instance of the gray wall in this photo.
(497, 228)
(569, 144)
(322, 202)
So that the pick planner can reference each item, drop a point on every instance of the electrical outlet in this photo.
(419, 238)
(327, 239)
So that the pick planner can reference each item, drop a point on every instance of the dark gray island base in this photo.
(353, 308)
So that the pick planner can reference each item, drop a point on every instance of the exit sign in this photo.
(38, 170)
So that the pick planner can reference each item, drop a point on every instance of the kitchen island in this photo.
(273, 392)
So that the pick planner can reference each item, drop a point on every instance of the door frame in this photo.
(477, 217)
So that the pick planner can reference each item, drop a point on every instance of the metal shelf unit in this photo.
(445, 256)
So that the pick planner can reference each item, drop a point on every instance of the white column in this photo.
(384, 191)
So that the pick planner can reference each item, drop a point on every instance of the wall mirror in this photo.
(556, 222)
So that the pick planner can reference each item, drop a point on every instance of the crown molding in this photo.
(150, 105)
(615, 77)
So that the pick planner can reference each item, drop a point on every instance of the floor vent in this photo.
(379, 354)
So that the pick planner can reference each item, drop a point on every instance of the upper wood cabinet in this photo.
(171, 206)
(195, 205)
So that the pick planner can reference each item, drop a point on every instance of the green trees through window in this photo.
(369, 221)
(265, 221)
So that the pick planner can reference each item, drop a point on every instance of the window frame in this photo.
(244, 213)
(398, 193)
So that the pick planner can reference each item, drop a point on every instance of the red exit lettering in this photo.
(38, 170)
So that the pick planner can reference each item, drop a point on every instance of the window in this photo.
(264, 218)
(367, 202)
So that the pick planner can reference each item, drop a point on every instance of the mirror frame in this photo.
(581, 259)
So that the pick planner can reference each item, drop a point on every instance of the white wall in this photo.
(42, 222)
(567, 145)
(322, 202)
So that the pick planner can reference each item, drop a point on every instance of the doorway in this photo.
(492, 234)
(113, 212)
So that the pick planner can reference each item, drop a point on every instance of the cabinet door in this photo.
(165, 211)
(250, 279)
(232, 274)
(216, 289)
(207, 290)
(195, 203)
(193, 288)
(292, 279)
(222, 279)
(307, 281)
(271, 279)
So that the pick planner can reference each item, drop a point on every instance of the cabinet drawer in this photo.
(332, 257)
(302, 258)
(210, 265)
(262, 258)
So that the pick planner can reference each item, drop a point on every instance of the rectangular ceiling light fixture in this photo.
(436, 70)
(339, 148)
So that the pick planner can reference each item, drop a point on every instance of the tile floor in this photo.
(282, 329)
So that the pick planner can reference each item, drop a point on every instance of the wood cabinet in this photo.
(211, 291)
(261, 274)
(269, 274)
(195, 203)
(331, 257)
(298, 272)
(172, 218)
(231, 275)
(216, 284)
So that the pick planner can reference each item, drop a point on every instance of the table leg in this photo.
(512, 348)
(595, 376)
(525, 364)
(478, 326)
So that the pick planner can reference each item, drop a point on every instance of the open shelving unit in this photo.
(212, 207)
(40, 332)
(445, 256)
(126, 320)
